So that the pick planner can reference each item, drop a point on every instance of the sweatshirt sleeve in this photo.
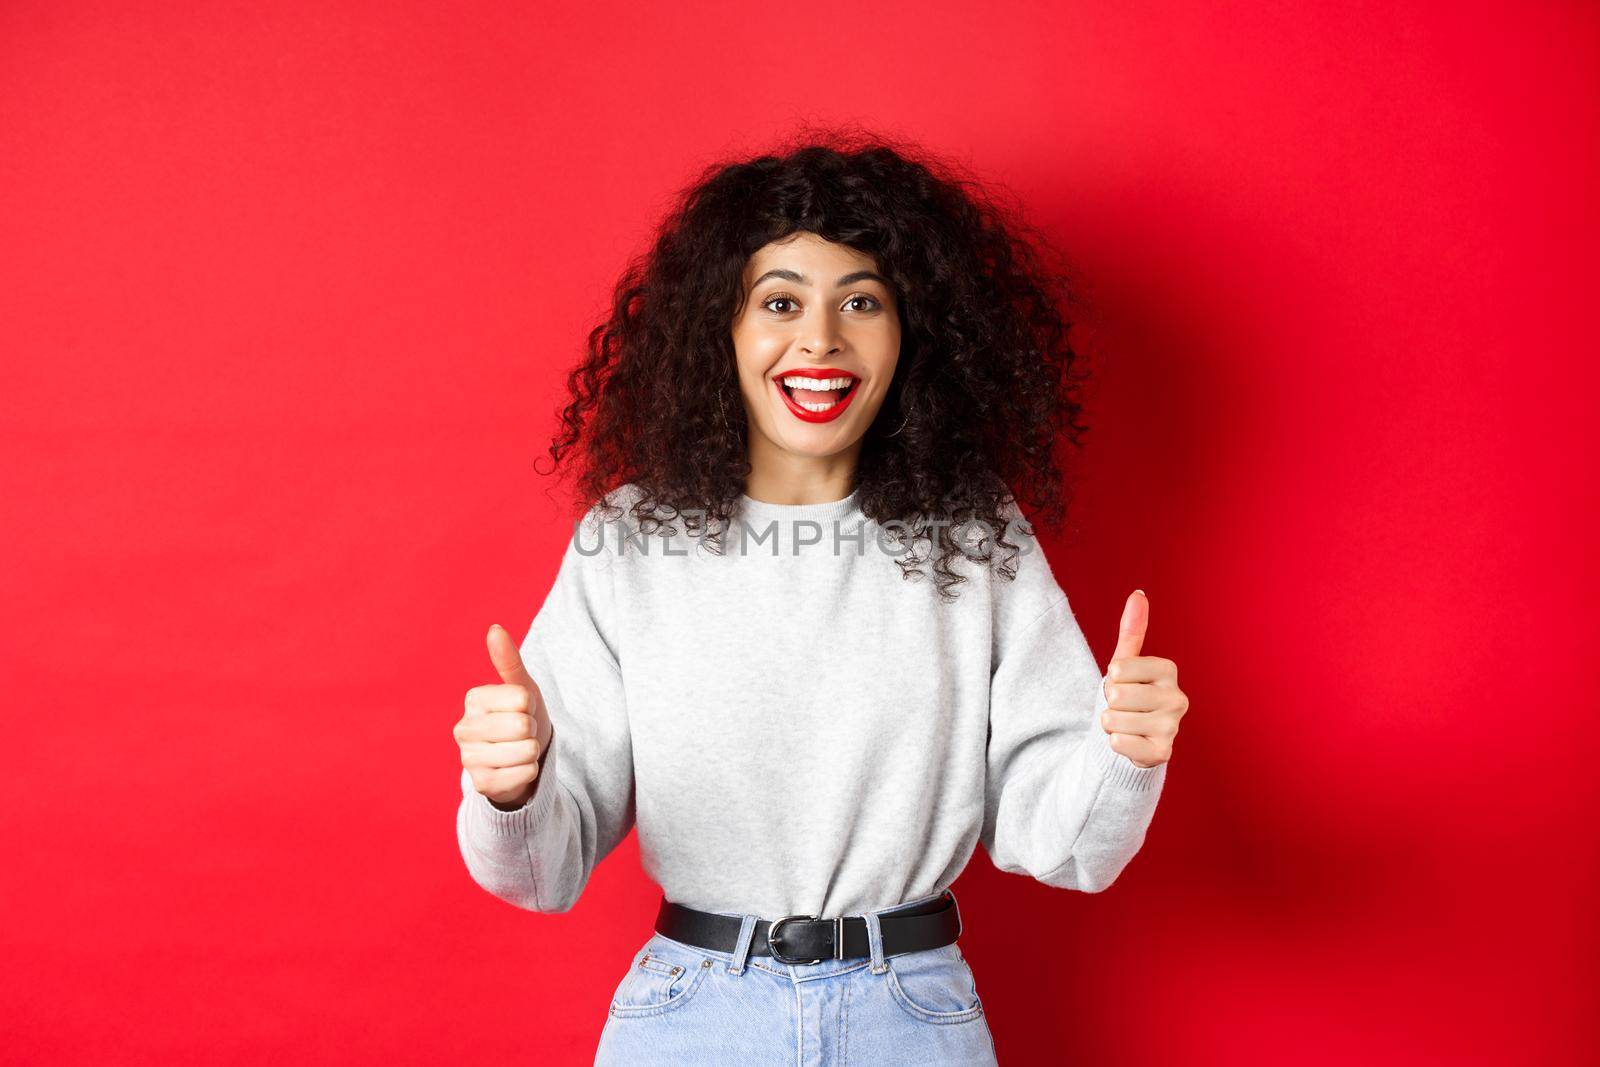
(540, 856)
(1061, 804)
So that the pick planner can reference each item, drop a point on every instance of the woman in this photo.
(802, 637)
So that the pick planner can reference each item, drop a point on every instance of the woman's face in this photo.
(818, 315)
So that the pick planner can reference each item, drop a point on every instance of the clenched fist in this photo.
(506, 729)
(1142, 692)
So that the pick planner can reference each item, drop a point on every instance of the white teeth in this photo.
(796, 382)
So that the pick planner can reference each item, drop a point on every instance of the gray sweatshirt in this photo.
(795, 728)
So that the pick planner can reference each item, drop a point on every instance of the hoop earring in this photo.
(901, 426)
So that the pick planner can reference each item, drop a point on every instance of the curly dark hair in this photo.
(984, 389)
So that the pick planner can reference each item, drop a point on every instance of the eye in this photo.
(774, 299)
(863, 296)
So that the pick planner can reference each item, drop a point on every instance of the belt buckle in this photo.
(772, 931)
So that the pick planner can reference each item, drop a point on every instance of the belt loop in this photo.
(875, 942)
(741, 946)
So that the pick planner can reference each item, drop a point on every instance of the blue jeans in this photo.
(680, 1004)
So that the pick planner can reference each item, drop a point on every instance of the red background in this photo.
(286, 295)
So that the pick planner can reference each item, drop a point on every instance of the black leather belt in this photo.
(811, 939)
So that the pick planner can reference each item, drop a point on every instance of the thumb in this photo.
(507, 659)
(1135, 620)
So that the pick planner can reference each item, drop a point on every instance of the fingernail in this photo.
(1141, 592)
(1105, 718)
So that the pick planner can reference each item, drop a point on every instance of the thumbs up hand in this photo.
(506, 729)
(1144, 701)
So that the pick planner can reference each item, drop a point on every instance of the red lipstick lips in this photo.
(822, 373)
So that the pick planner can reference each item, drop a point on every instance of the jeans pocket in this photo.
(935, 985)
(663, 976)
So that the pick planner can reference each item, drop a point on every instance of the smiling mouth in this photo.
(817, 396)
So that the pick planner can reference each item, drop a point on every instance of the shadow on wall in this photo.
(1177, 419)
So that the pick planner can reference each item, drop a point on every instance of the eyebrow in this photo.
(801, 279)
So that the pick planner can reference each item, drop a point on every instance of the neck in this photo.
(779, 477)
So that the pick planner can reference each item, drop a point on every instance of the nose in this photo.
(819, 335)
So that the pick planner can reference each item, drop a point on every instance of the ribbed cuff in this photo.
(490, 821)
(1120, 771)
